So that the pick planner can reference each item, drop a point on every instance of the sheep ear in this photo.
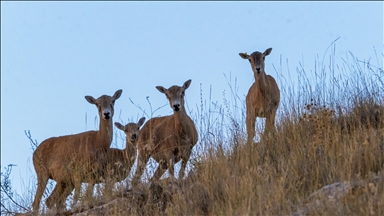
(141, 121)
(244, 55)
(161, 89)
(267, 51)
(186, 84)
(117, 94)
(90, 99)
(119, 126)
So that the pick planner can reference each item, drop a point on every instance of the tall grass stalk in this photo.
(329, 128)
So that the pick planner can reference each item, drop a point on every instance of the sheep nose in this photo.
(176, 107)
(107, 115)
(134, 136)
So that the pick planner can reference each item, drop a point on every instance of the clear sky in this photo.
(55, 53)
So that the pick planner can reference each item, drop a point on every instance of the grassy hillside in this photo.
(329, 129)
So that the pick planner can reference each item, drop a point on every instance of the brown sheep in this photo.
(168, 139)
(68, 159)
(119, 162)
(263, 96)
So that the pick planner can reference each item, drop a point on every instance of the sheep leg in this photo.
(42, 180)
(160, 170)
(52, 198)
(141, 163)
(171, 166)
(76, 193)
(164, 165)
(57, 195)
(66, 189)
(89, 191)
(184, 161)
(270, 122)
(250, 124)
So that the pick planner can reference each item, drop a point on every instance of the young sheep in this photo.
(119, 162)
(263, 96)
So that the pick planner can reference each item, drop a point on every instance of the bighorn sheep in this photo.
(69, 159)
(263, 96)
(168, 139)
(119, 162)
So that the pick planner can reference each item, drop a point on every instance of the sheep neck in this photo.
(105, 133)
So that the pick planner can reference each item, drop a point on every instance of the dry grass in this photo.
(328, 131)
(323, 136)
(274, 176)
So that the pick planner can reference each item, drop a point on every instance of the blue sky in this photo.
(55, 53)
